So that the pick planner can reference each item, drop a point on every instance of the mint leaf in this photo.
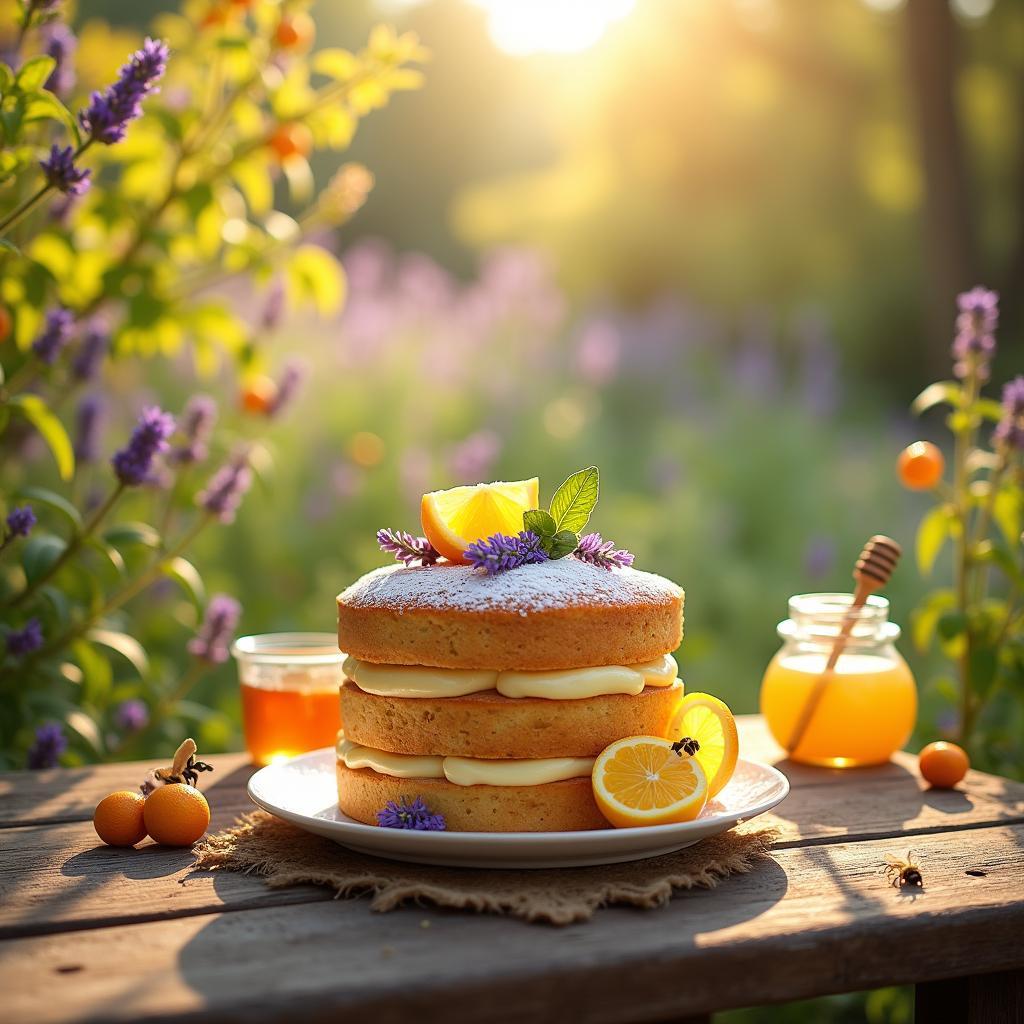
(563, 543)
(539, 522)
(573, 502)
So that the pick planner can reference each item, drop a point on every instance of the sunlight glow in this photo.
(521, 27)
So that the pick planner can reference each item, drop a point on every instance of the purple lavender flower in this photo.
(273, 308)
(1010, 430)
(25, 640)
(62, 174)
(500, 552)
(50, 743)
(197, 422)
(107, 117)
(131, 715)
(55, 335)
(415, 815)
(134, 463)
(226, 488)
(20, 521)
(60, 43)
(87, 359)
(89, 417)
(212, 641)
(975, 342)
(292, 377)
(602, 552)
(407, 548)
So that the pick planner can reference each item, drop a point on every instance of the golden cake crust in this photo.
(554, 615)
(566, 806)
(490, 725)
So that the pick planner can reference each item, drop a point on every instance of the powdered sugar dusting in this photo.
(565, 583)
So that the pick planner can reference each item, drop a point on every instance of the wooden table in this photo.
(89, 933)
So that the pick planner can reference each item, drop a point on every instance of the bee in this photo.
(903, 872)
(186, 768)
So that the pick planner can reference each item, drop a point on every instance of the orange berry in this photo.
(295, 31)
(291, 140)
(5, 323)
(258, 395)
(118, 818)
(176, 814)
(943, 764)
(920, 466)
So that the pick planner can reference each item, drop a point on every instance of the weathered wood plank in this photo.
(819, 920)
(71, 794)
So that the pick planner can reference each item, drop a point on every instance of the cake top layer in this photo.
(546, 586)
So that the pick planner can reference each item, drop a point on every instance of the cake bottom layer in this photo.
(566, 806)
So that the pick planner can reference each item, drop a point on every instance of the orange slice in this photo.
(641, 780)
(454, 519)
(709, 721)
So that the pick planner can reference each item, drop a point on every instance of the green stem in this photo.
(985, 522)
(72, 548)
(20, 212)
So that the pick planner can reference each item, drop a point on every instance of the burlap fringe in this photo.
(284, 855)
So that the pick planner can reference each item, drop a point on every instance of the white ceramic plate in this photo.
(304, 792)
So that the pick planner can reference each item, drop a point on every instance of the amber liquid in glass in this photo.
(281, 722)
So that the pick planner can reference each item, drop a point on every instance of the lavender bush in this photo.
(125, 216)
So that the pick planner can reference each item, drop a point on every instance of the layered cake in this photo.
(488, 696)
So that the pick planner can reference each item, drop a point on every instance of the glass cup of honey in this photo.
(290, 701)
(861, 711)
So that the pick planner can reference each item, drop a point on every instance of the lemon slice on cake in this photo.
(460, 516)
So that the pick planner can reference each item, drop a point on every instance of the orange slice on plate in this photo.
(709, 721)
(641, 780)
(456, 518)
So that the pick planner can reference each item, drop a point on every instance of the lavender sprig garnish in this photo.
(406, 548)
(107, 117)
(134, 463)
(62, 174)
(415, 815)
(593, 549)
(975, 342)
(500, 552)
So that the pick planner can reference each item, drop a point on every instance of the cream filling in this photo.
(465, 771)
(570, 684)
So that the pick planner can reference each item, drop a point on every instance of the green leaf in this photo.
(41, 496)
(7, 246)
(573, 502)
(45, 106)
(925, 618)
(989, 409)
(539, 522)
(185, 573)
(41, 550)
(314, 275)
(34, 72)
(125, 534)
(128, 647)
(111, 555)
(1001, 555)
(97, 675)
(81, 723)
(984, 663)
(942, 391)
(1006, 511)
(52, 431)
(6, 78)
(951, 625)
(936, 528)
(563, 543)
(335, 63)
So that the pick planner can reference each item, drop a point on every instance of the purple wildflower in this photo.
(292, 377)
(197, 422)
(134, 463)
(62, 174)
(500, 552)
(109, 113)
(89, 418)
(25, 640)
(602, 552)
(415, 815)
(226, 488)
(91, 351)
(473, 458)
(212, 641)
(1010, 430)
(131, 715)
(975, 342)
(20, 521)
(60, 44)
(55, 335)
(273, 309)
(407, 548)
(50, 743)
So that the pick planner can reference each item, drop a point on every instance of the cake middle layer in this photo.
(490, 725)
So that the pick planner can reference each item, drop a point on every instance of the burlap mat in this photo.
(285, 855)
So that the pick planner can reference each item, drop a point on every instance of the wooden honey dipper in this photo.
(873, 571)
